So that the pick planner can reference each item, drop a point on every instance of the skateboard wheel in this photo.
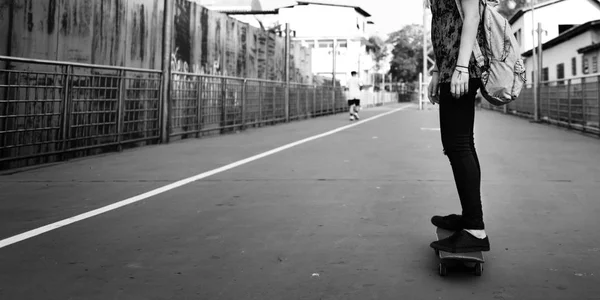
(478, 269)
(443, 270)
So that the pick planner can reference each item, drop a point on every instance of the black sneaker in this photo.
(461, 242)
(449, 222)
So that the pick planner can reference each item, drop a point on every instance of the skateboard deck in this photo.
(475, 258)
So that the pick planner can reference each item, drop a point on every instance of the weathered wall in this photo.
(107, 32)
(209, 42)
(129, 33)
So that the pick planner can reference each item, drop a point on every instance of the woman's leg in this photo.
(457, 118)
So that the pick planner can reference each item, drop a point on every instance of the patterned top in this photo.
(446, 28)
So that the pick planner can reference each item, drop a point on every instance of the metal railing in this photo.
(52, 111)
(205, 103)
(573, 103)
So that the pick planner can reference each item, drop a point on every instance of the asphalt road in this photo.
(345, 216)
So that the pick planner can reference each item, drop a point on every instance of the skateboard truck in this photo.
(446, 257)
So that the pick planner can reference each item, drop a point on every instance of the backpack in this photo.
(503, 76)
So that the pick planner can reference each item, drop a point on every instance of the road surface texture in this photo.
(344, 216)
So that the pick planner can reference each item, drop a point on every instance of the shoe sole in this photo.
(442, 226)
(462, 250)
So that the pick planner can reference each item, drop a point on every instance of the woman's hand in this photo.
(433, 88)
(459, 86)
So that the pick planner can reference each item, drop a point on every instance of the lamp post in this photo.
(536, 73)
(423, 81)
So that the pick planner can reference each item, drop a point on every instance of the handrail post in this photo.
(569, 101)
(66, 109)
(314, 101)
(557, 105)
(274, 114)
(223, 122)
(598, 101)
(120, 107)
(260, 103)
(322, 101)
(298, 102)
(583, 106)
(287, 72)
(166, 69)
(244, 98)
(200, 107)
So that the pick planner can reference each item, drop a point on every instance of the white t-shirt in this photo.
(354, 85)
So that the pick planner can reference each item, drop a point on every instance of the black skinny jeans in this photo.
(457, 117)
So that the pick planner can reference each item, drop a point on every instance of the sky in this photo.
(392, 15)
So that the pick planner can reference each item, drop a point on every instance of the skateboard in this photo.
(472, 258)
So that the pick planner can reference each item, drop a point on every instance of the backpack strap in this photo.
(476, 49)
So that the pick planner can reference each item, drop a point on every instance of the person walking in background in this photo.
(354, 87)
(454, 83)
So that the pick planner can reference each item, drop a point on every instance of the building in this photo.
(574, 53)
(312, 26)
(556, 16)
(590, 56)
(568, 26)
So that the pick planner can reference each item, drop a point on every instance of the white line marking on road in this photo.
(35, 232)
(430, 129)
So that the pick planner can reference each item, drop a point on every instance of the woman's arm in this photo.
(460, 77)
(471, 17)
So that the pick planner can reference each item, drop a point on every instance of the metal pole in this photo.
(583, 104)
(200, 104)
(382, 92)
(597, 102)
(260, 103)
(536, 77)
(297, 102)
(333, 73)
(166, 68)
(120, 107)
(314, 101)
(569, 101)
(420, 91)
(223, 107)
(267, 56)
(274, 113)
(425, 44)
(66, 109)
(287, 72)
(540, 66)
(244, 91)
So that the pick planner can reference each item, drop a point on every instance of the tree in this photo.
(407, 53)
(378, 49)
